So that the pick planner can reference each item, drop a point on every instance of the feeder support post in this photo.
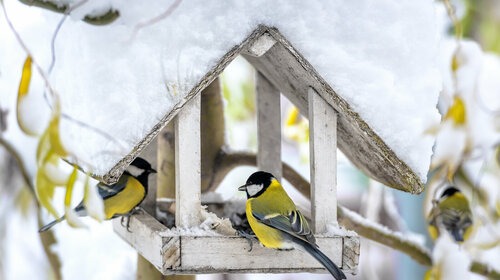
(188, 165)
(268, 126)
(323, 161)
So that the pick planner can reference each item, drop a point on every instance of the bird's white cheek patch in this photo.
(254, 189)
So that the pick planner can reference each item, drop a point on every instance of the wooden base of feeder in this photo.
(199, 252)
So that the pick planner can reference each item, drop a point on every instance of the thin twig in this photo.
(47, 238)
(156, 19)
(20, 163)
(25, 48)
(453, 16)
(53, 42)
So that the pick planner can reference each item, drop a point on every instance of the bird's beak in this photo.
(152, 170)
(243, 188)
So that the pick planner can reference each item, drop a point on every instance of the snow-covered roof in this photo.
(377, 56)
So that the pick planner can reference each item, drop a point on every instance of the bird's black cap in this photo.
(260, 177)
(450, 191)
(142, 164)
(257, 178)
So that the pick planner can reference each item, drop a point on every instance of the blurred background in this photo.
(95, 252)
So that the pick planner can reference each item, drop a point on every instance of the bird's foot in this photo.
(249, 238)
(134, 211)
(127, 224)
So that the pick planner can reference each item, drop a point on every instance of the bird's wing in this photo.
(455, 219)
(294, 224)
(107, 191)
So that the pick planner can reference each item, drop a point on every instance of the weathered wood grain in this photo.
(188, 165)
(196, 253)
(213, 254)
(149, 154)
(260, 45)
(288, 70)
(268, 126)
(323, 162)
(114, 173)
(144, 236)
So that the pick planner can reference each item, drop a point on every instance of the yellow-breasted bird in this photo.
(453, 213)
(275, 220)
(120, 198)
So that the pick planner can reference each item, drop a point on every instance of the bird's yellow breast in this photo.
(126, 200)
(273, 201)
(268, 236)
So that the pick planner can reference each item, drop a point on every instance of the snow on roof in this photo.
(377, 55)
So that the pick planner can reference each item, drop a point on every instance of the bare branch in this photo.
(20, 163)
(103, 19)
(484, 270)
(46, 238)
(156, 19)
(382, 235)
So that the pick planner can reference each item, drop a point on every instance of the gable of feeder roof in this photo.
(275, 57)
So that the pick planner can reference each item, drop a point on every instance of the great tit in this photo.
(120, 198)
(275, 220)
(453, 213)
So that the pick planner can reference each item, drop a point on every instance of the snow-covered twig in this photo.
(380, 234)
(106, 17)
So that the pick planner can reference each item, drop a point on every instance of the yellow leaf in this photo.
(456, 112)
(25, 78)
(293, 116)
(24, 200)
(69, 185)
(45, 192)
(71, 216)
(92, 201)
(22, 93)
(434, 273)
(73, 219)
(497, 207)
(43, 148)
(497, 155)
(53, 173)
(454, 62)
(55, 138)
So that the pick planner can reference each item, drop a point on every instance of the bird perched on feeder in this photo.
(275, 220)
(453, 213)
(120, 198)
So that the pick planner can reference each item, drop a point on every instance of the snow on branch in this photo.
(102, 19)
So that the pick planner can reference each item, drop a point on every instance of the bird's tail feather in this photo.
(323, 259)
(51, 224)
(456, 235)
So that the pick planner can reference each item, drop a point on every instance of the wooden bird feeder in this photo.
(280, 69)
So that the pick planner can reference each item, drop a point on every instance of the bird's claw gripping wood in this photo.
(250, 238)
(136, 210)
